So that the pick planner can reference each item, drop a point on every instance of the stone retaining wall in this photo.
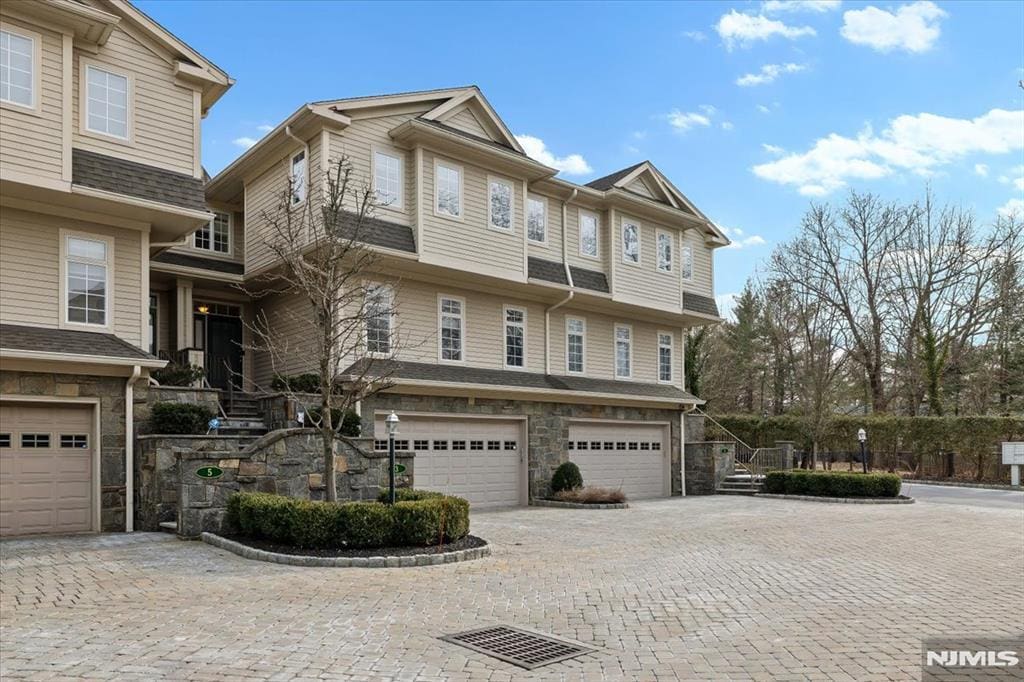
(707, 465)
(147, 396)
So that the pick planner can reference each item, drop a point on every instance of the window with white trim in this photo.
(623, 351)
(452, 328)
(515, 337)
(665, 245)
(575, 345)
(536, 220)
(664, 357)
(106, 110)
(87, 285)
(298, 176)
(499, 211)
(215, 235)
(448, 181)
(686, 262)
(18, 69)
(379, 319)
(588, 235)
(387, 179)
(630, 242)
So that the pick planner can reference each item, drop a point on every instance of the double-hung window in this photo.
(536, 220)
(575, 345)
(686, 262)
(88, 286)
(500, 196)
(387, 179)
(664, 357)
(106, 108)
(448, 190)
(630, 242)
(588, 235)
(18, 68)
(452, 328)
(379, 319)
(665, 252)
(623, 351)
(216, 235)
(515, 337)
(299, 177)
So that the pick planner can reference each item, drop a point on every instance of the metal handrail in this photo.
(750, 458)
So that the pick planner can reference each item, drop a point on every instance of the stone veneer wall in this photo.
(707, 465)
(548, 425)
(287, 462)
(110, 391)
(146, 396)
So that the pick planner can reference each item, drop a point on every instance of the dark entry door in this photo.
(224, 351)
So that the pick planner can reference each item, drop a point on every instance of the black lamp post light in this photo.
(391, 421)
(862, 436)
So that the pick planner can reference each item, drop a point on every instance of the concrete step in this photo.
(169, 527)
(736, 491)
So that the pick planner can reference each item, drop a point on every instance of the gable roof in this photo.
(610, 180)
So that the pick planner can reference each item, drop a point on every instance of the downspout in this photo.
(568, 278)
(169, 245)
(129, 449)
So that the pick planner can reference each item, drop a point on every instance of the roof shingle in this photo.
(69, 341)
(111, 174)
(189, 261)
(553, 271)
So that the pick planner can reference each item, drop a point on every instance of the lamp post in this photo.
(862, 436)
(391, 421)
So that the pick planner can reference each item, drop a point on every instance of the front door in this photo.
(224, 351)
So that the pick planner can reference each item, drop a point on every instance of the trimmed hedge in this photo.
(407, 495)
(346, 423)
(174, 374)
(433, 519)
(182, 419)
(566, 477)
(832, 484)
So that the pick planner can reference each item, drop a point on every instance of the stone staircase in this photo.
(741, 482)
(242, 419)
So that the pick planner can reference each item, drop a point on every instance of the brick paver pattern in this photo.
(696, 588)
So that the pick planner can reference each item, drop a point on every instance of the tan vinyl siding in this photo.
(467, 122)
(162, 117)
(30, 283)
(553, 249)
(289, 324)
(469, 242)
(641, 188)
(645, 281)
(702, 255)
(31, 142)
(263, 197)
(599, 346)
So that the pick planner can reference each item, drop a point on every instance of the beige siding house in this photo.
(100, 173)
(569, 303)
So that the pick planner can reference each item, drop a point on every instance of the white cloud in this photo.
(763, 109)
(800, 5)
(685, 120)
(1014, 177)
(739, 240)
(913, 27)
(572, 164)
(919, 144)
(768, 73)
(772, 149)
(244, 142)
(695, 36)
(981, 169)
(742, 30)
(727, 125)
(1012, 207)
(264, 128)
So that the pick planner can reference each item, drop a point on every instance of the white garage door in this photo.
(46, 455)
(478, 459)
(633, 457)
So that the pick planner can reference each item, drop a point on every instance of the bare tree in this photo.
(335, 318)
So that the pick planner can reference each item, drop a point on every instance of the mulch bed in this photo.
(468, 542)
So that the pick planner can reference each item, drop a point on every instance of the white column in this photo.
(183, 306)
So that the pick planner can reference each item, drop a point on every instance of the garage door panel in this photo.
(632, 457)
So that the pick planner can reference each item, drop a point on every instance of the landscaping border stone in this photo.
(962, 484)
(902, 499)
(248, 552)
(578, 505)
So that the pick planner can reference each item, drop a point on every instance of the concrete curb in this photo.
(845, 500)
(577, 505)
(344, 561)
(961, 484)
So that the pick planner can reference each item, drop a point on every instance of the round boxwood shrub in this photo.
(432, 520)
(567, 477)
(182, 419)
(832, 484)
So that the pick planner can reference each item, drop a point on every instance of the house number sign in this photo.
(209, 472)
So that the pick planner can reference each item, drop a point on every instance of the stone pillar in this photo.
(787, 447)
(183, 304)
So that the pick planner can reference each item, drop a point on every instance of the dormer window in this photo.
(216, 235)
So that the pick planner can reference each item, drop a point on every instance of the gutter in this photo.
(129, 449)
(568, 278)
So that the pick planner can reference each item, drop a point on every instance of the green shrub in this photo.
(832, 484)
(567, 477)
(174, 374)
(297, 383)
(180, 418)
(347, 424)
(319, 525)
(407, 495)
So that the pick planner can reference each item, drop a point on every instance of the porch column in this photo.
(183, 305)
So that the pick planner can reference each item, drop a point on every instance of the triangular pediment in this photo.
(472, 113)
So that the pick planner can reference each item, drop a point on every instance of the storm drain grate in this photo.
(526, 649)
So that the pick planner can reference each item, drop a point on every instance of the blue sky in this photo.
(753, 109)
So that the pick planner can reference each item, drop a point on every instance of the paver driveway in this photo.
(695, 588)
